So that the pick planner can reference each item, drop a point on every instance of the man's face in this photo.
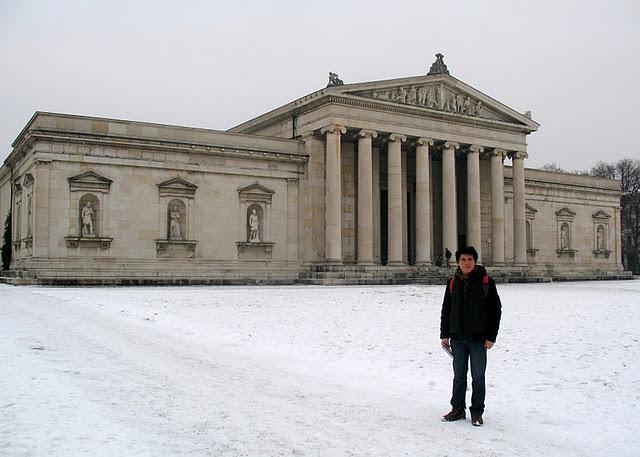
(467, 264)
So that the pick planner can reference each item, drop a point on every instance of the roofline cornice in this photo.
(361, 102)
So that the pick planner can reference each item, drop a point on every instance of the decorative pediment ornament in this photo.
(177, 187)
(89, 181)
(565, 214)
(438, 67)
(601, 216)
(255, 192)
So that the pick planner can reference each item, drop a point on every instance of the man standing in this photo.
(469, 323)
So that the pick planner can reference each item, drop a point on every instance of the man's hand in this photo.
(488, 344)
(445, 343)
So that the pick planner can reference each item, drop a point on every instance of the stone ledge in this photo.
(566, 252)
(78, 241)
(254, 251)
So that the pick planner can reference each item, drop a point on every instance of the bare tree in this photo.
(552, 167)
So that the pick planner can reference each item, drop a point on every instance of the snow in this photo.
(311, 371)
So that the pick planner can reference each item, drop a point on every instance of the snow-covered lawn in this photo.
(314, 371)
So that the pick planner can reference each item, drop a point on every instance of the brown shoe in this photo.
(476, 419)
(454, 415)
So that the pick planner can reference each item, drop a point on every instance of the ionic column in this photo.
(365, 197)
(473, 198)
(395, 217)
(423, 202)
(333, 195)
(449, 210)
(519, 218)
(497, 206)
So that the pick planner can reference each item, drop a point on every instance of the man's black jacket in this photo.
(466, 312)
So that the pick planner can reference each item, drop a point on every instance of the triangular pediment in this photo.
(565, 212)
(438, 93)
(89, 181)
(255, 188)
(530, 209)
(90, 177)
(600, 214)
(177, 186)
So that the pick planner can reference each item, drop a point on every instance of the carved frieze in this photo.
(433, 96)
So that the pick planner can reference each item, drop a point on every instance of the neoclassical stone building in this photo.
(367, 182)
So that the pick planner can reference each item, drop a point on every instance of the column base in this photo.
(426, 263)
(365, 263)
(333, 262)
(397, 263)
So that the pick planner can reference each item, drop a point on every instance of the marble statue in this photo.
(412, 96)
(334, 80)
(422, 96)
(30, 216)
(86, 219)
(254, 236)
(600, 238)
(564, 237)
(440, 97)
(174, 224)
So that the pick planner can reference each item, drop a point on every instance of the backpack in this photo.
(485, 285)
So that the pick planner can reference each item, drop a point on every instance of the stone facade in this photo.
(372, 181)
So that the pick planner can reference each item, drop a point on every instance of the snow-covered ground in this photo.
(313, 371)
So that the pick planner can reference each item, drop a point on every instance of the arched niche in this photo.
(177, 220)
(255, 223)
(89, 217)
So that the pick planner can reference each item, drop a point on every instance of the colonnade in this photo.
(423, 234)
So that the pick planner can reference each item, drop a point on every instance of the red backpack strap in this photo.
(485, 285)
(451, 284)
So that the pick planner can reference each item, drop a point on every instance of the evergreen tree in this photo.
(6, 245)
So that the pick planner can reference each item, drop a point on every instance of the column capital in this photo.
(516, 155)
(499, 152)
(424, 141)
(367, 133)
(396, 137)
(476, 149)
(333, 129)
(451, 145)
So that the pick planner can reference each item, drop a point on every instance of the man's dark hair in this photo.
(470, 250)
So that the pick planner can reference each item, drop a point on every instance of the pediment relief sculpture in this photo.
(433, 96)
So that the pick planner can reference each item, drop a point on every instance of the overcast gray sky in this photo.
(215, 64)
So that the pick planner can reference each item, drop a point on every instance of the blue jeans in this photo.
(463, 350)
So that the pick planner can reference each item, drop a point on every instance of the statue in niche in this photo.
(29, 216)
(412, 96)
(254, 236)
(600, 238)
(564, 237)
(86, 220)
(174, 224)
(422, 96)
